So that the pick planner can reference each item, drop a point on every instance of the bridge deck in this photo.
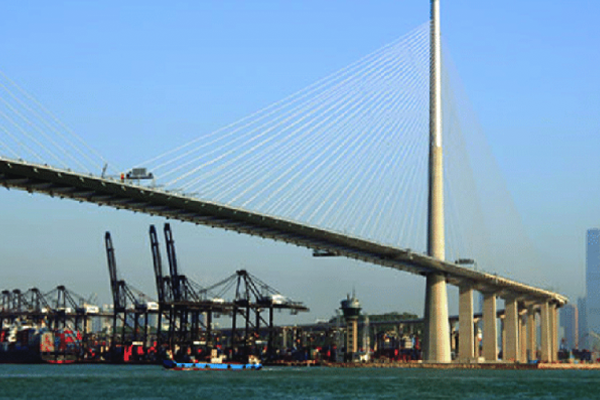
(126, 195)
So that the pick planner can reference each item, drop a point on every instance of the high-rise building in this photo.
(592, 284)
(569, 323)
(582, 323)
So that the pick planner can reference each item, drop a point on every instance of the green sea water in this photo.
(152, 382)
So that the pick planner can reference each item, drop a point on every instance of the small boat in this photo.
(215, 361)
(206, 366)
(60, 361)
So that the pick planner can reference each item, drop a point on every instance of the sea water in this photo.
(89, 382)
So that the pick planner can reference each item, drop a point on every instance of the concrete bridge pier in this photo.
(549, 334)
(523, 336)
(490, 332)
(546, 334)
(531, 334)
(510, 337)
(518, 329)
(476, 343)
(466, 337)
(437, 329)
(502, 338)
(554, 330)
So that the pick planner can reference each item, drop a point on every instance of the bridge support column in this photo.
(502, 337)
(490, 333)
(437, 331)
(546, 336)
(437, 334)
(510, 353)
(531, 334)
(554, 332)
(466, 338)
(523, 337)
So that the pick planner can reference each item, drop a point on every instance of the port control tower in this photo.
(351, 309)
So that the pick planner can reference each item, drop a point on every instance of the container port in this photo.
(232, 320)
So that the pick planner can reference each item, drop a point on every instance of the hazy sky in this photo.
(135, 78)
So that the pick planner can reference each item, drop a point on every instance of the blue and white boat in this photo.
(207, 366)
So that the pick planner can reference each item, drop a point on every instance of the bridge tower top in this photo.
(436, 239)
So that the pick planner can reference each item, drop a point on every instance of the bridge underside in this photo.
(125, 195)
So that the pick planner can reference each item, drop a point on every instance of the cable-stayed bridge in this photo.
(340, 167)
(125, 195)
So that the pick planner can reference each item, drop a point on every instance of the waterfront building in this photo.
(569, 323)
(592, 285)
(351, 309)
(582, 323)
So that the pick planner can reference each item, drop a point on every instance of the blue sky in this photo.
(135, 78)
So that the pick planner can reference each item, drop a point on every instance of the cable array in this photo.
(347, 153)
(31, 132)
(482, 222)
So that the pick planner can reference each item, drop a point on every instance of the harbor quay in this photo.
(61, 327)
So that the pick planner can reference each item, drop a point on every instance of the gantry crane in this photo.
(128, 304)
